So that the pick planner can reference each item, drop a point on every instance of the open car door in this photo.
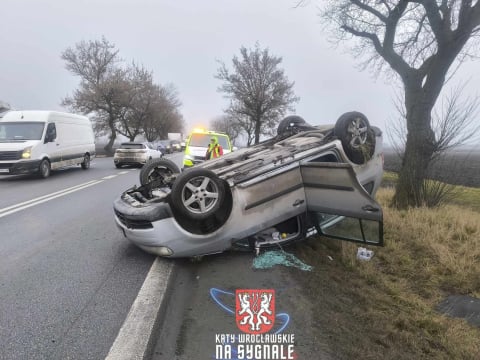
(339, 205)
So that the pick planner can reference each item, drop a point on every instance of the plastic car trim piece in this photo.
(329, 187)
(273, 197)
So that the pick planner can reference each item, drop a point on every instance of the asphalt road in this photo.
(67, 275)
(200, 309)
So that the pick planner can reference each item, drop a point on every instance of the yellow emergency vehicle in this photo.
(197, 142)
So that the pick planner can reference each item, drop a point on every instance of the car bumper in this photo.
(19, 168)
(154, 229)
(167, 238)
(130, 160)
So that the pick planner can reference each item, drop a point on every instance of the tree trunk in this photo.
(257, 130)
(109, 147)
(418, 153)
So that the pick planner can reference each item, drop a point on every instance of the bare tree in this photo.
(139, 97)
(121, 99)
(258, 89)
(102, 84)
(454, 123)
(419, 40)
(229, 125)
(165, 115)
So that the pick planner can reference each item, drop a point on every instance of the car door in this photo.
(339, 206)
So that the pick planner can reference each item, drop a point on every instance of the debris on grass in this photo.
(269, 259)
(364, 254)
(462, 306)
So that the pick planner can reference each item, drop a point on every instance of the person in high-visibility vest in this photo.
(214, 150)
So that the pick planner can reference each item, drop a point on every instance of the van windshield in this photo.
(20, 131)
(202, 140)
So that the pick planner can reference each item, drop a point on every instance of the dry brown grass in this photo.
(385, 308)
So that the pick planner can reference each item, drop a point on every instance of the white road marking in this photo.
(134, 338)
(41, 199)
(22, 206)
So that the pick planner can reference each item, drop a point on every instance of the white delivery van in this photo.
(40, 141)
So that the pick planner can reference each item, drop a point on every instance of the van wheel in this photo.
(44, 169)
(86, 162)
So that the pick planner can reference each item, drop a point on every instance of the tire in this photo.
(86, 162)
(197, 194)
(357, 137)
(44, 169)
(118, 166)
(287, 125)
(156, 169)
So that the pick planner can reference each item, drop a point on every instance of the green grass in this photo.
(469, 197)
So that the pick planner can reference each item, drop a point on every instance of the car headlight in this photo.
(27, 153)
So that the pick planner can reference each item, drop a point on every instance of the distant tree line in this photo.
(120, 98)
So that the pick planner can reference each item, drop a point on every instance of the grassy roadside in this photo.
(385, 308)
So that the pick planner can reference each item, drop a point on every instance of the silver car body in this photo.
(269, 183)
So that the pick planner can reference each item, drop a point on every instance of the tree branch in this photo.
(369, 9)
(436, 23)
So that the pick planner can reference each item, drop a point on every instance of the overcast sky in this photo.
(181, 42)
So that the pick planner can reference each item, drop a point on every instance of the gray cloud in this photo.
(181, 41)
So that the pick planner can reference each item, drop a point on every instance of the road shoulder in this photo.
(194, 317)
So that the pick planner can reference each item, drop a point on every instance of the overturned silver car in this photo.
(306, 180)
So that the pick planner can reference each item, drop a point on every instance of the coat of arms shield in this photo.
(255, 310)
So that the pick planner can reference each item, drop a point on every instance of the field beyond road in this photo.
(457, 167)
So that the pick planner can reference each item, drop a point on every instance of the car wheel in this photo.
(197, 193)
(156, 170)
(356, 135)
(86, 162)
(44, 168)
(118, 166)
(287, 125)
